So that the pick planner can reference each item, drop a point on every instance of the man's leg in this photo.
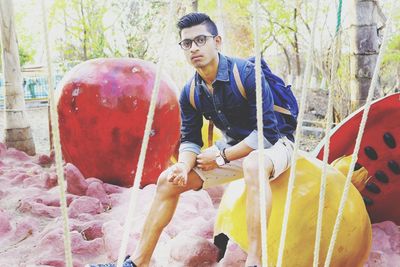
(253, 218)
(160, 214)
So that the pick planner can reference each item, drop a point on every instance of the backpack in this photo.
(285, 104)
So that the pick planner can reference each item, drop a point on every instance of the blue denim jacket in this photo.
(235, 116)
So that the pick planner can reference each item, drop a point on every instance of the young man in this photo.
(216, 98)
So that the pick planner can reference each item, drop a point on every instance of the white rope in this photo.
(57, 146)
(358, 142)
(326, 151)
(145, 142)
(260, 135)
(305, 85)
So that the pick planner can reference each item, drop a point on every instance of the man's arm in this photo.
(188, 159)
(191, 139)
(238, 151)
(206, 160)
(250, 143)
(270, 124)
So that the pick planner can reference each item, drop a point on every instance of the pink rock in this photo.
(96, 235)
(52, 155)
(216, 193)
(3, 194)
(76, 183)
(112, 238)
(93, 180)
(203, 228)
(209, 214)
(388, 227)
(85, 217)
(234, 256)
(93, 230)
(53, 200)
(5, 225)
(394, 241)
(30, 206)
(112, 189)
(386, 240)
(70, 198)
(3, 149)
(53, 241)
(385, 245)
(29, 165)
(85, 204)
(11, 174)
(96, 190)
(25, 228)
(50, 180)
(35, 181)
(377, 259)
(191, 207)
(44, 160)
(200, 200)
(58, 262)
(17, 155)
(113, 232)
(192, 251)
(50, 260)
(19, 178)
(85, 247)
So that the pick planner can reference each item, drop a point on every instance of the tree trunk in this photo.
(195, 5)
(364, 50)
(397, 85)
(85, 33)
(296, 43)
(17, 130)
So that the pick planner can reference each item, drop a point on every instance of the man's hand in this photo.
(206, 161)
(178, 174)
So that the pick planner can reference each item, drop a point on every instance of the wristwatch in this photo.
(221, 159)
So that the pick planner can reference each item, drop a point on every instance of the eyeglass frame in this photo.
(194, 40)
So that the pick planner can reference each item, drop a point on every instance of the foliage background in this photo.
(86, 29)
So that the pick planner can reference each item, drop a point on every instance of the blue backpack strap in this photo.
(192, 101)
(191, 93)
(238, 81)
(242, 91)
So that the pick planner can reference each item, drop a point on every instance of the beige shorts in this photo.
(280, 154)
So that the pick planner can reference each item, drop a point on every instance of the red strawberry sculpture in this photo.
(103, 106)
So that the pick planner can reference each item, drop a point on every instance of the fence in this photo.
(35, 83)
(35, 88)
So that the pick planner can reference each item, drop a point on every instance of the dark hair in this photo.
(193, 19)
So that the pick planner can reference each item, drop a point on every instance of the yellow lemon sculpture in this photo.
(354, 238)
(360, 176)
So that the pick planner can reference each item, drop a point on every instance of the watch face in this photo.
(220, 161)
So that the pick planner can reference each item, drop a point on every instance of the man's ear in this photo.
(218, 42)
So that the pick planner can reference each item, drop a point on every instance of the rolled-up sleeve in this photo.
(192, 121)
(252, 140)
(270, 130)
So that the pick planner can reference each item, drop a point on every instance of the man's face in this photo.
(200, 56)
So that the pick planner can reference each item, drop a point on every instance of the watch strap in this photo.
(223, 155)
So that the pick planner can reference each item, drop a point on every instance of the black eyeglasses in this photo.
(200, 40)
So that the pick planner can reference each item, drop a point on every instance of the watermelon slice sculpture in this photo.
(379, 154)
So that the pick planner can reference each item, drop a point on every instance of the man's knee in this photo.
(164, 187)
(250, 163)
(251, 167)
